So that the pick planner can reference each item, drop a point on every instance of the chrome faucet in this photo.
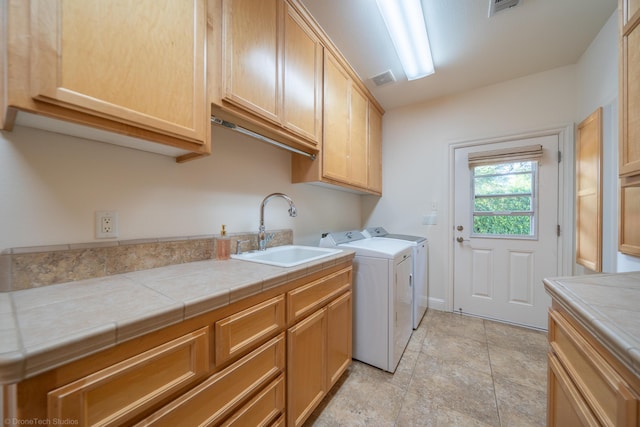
(262, 237)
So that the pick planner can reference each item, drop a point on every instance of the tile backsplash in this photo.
(32, 267)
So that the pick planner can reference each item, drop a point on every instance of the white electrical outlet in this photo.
(106, 224)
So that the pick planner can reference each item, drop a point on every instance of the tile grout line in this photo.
(413, 371)
(493, 381)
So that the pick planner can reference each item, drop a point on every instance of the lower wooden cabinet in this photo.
(260, 361)
(115, 395)
(587, 386)
(319, 346)
(567, 407)
(222, 392)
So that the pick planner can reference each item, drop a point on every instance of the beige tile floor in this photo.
(456, 371)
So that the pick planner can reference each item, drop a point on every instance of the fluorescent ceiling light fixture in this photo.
(405, 22)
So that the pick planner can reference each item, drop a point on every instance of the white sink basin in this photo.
(287, 256)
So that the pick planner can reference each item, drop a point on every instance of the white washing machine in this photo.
(382, 296)
(420, 268)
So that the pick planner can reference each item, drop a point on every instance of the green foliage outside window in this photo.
(503, 199)
(504, 225)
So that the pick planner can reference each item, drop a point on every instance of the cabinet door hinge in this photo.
(559, 156)
(558, 230)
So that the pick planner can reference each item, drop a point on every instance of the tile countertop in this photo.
(46, 327)
(608, 306)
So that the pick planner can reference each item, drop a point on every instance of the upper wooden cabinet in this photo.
(629, 225)
(358, 137)
(250, 60)
(629, 87)
(351, 146)
(629, 149)
(302, 78)
(135, 68)
(281, 77)
(337, 93)
(268, 62)
(374, 181)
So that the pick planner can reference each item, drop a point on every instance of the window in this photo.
(504, 199)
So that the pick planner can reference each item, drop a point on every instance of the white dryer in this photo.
(420, 268)
(382, 296)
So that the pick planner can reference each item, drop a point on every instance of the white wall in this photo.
(416, 143)
(51, 185)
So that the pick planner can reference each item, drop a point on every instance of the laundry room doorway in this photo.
(506, 228)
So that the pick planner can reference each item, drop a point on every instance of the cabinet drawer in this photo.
(238, 333)
(262, 410)
(566, 406)
(309, 298)
(225, 390)
(606, 392)
(118, 393)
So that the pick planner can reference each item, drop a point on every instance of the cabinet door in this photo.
(139, 63)
(335, 146)
(339, 320)
(589, 192)
(251, 56)
(306, 366)
(630, 88)
(374, 181)
(358, 134)
(302, 78)
(629, 227)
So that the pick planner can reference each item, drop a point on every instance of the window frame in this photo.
(534, 213)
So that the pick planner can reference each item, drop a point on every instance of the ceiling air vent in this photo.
(496, 6)
(383, 78)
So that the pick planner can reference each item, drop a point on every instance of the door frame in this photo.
(566, 197)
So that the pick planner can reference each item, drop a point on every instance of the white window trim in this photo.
(534, 204)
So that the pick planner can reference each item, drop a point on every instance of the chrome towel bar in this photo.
(252, 134)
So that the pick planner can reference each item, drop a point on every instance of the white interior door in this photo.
(499, 263)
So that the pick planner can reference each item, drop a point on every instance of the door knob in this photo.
(459, 228)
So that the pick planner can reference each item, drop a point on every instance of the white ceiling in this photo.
(470, 49)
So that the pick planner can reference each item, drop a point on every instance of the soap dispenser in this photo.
(223, 245)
